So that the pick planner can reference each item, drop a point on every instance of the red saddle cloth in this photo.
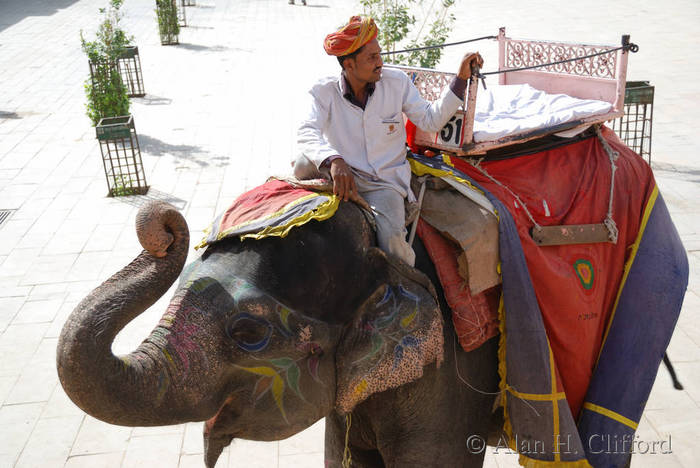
(475, 317)
(271, 209)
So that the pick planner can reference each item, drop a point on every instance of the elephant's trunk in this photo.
(138, 389)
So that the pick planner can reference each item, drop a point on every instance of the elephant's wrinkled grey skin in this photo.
(263, 338)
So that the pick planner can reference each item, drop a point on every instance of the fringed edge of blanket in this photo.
(322, 212)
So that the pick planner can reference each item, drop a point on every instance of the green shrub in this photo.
(124, 186)
(106, 93)
(168, 27)
(396, 22)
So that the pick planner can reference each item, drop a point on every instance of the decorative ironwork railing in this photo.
(430, 83)
(519, 53)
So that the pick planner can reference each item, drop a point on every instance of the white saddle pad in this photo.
(511, 109)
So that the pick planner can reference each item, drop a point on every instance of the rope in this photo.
(609, 222)
(439, 46)
(627, 46)
(347, 456)
(612, 156)
(478, 167)
(630, 47)
(412, 235)
(459, 376)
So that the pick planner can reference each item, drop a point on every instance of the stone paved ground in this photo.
(219, 118)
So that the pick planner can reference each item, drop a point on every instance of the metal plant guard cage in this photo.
(181, 16)
(121, 156)
(167, 12)
(634, 128)
(129, 65)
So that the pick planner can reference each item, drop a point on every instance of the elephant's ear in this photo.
(396, 331)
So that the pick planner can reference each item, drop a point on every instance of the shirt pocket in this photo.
(391, 126)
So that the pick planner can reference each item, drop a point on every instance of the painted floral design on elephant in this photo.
(278, 373)
(383, 334)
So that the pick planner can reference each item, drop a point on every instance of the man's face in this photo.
(367, 65)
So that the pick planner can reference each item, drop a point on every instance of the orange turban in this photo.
(358, 32)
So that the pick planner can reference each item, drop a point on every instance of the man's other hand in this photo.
(470, 59)
(343, 180)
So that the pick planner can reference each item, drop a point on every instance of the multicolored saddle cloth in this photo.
(474, 315)
(461, 239)
(583, 327)
(273, 209)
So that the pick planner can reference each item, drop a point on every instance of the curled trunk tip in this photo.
(122, 390)
(157, 222)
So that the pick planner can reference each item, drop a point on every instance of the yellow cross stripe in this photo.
(611, 414)
(538, 396)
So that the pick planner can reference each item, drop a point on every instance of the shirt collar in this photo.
(346, 89)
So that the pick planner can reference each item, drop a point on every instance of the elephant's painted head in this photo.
(262, 337)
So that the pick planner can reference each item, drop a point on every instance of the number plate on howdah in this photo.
(452, 133)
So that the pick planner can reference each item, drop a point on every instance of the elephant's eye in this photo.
(250, 333)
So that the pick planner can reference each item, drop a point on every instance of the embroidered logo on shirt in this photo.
(392, 125)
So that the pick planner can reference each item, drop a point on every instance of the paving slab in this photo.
(218, 118)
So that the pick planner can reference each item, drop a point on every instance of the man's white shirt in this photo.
(373, 141)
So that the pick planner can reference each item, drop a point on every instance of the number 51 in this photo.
(453, 128)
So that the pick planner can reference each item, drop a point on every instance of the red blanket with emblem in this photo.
(583, 327)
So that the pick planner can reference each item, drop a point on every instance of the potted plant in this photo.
(108, 105)
(129, 65)
(107, 96)
(168, 26)
(396, 20)
(121, 156)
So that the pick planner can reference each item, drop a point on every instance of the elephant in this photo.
(262, 338)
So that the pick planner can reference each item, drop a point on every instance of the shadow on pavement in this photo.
(189, 153)
(151, 100)
(154, 195)
(14, 11)
(674, 171)
(9, 115)
(198, 47)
